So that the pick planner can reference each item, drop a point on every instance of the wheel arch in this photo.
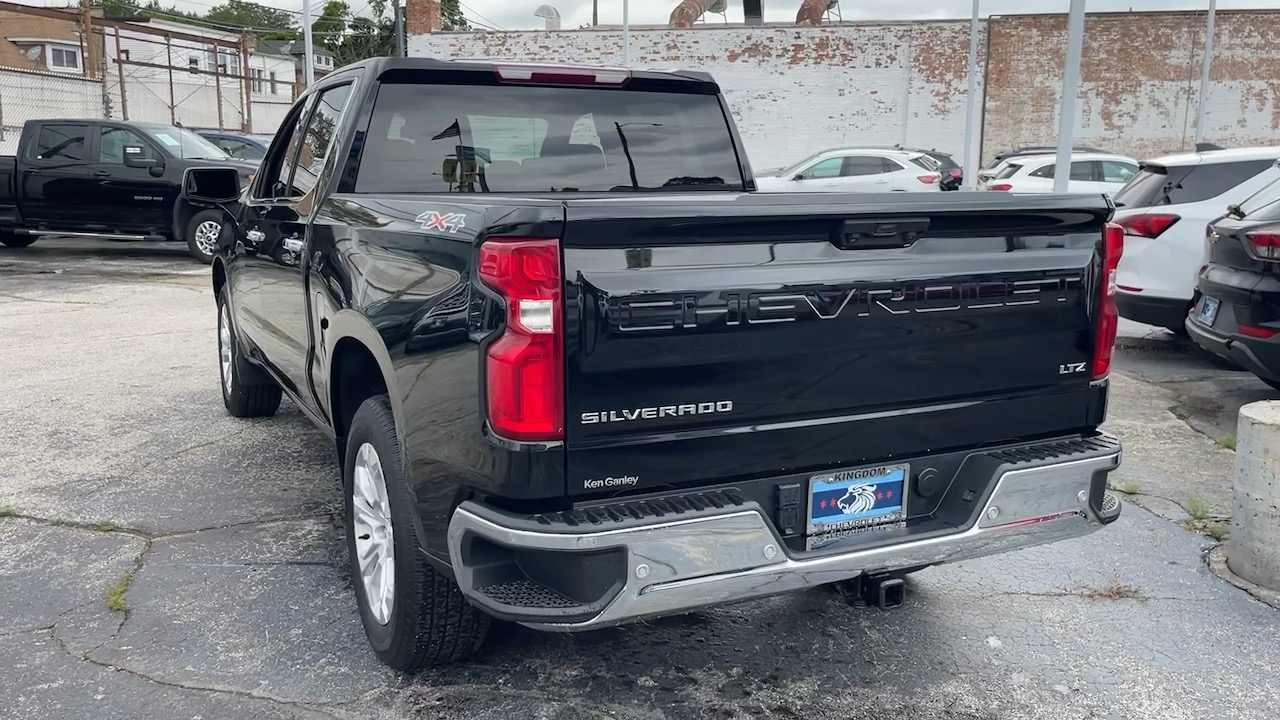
(359, 367)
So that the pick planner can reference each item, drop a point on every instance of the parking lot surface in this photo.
(159, 559)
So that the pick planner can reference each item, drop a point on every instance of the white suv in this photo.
(1164, 211)
(1090, 173)
(858, 170)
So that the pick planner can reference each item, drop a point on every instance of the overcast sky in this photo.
(518, 14)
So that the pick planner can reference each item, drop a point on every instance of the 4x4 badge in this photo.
(448, 222)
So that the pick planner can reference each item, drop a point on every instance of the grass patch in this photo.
(1198, 508)
(115, 597)
(1218, 531)
(6, 511)
(107, 525)
(1228, 442)
(1180, 411)
(57, 522)
(1130, 487)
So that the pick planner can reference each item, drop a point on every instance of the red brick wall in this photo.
(421, 17)
(1140, 80)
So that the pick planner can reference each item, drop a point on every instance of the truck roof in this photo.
(382, 65)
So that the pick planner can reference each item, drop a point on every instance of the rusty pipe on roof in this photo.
(812, 12)
(688, 12)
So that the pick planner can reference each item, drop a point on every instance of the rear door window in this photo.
(857, 166)
(62, 142)
(518, 138)
(1117, 172)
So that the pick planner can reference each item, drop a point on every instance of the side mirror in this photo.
(135, 156)
(211, 185)
(798, 177)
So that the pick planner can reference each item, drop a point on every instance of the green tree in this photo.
(451, 16)
(329, 30)
(241, 13)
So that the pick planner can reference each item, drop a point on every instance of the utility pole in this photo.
(399, 27)
(90, 54)
(1205, 66)
(595, 13)
(308, 47)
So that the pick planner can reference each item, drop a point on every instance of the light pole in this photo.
(1070, 99)
(626, 33)
(1204, 71)
(308, 64)
(971, 116)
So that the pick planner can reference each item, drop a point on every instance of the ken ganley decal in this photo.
(445, 222)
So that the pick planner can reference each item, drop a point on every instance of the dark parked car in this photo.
(1237, 313)
(578, 373)
(108, 179)
(244, 146)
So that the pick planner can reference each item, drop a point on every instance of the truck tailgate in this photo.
(714, 338)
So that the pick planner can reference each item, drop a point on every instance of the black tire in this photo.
(198, 241)
(430, 622)
(248, 392)
(15, 240)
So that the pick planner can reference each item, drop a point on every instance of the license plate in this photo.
(860, 499)
(1208, 310)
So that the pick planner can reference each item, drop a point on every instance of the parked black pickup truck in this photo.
(578, 373)
(108, 179)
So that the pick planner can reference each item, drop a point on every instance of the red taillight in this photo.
(1001, 187)
(1147, 226)
(554, 74)
(524, 368)
(928, 179)
(1264, 245)
(957, 174)
(1108, 315)
(1254, 331)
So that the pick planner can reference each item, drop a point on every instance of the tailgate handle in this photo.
(873, 233)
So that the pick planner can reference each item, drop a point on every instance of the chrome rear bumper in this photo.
(671, 566)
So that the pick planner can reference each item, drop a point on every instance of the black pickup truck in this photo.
(578, 372)
(108, 179)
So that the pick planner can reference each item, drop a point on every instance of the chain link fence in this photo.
(154, 72)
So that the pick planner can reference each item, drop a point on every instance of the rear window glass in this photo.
(926, 162)
(457, 138)
(63, 142)
(1009, 171)
(1157, 185)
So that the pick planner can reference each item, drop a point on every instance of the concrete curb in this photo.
(1217, 559)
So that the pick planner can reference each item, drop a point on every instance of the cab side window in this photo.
(273, 184)
(62, 142)
(111, 145)
(317, 141)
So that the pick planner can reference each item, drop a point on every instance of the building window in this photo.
(64, 59)
(273, 82)
(193, 63)
(257, 80)
(124, 55)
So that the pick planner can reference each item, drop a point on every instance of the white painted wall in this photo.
(793, 91)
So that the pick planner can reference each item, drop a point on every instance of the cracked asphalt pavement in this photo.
(159, 559)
